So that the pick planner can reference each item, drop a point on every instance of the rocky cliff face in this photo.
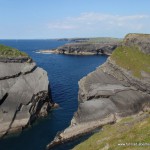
(24, 94)
(87, 49)
(112, 89)
(108, 93)
(84, 48)
(140, 40)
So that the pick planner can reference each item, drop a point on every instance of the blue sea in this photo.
(64, 72)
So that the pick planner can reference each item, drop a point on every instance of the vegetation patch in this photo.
(104, 40)
(6, 51)
(132, 59)
(99, 40)
(128, 134)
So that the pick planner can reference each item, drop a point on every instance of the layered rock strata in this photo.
(24, 94)
(84, 49)
(105, 95)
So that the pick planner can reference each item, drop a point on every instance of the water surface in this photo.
(64, 72)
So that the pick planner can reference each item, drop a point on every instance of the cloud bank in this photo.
(100, 24)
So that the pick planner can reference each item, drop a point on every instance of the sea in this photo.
(64, 72)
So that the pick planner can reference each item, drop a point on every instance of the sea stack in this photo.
(24, 91)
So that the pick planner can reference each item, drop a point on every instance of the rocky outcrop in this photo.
(84, 48)
(140, 40)
(105, 95)
(24, 94)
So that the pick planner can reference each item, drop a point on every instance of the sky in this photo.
(48, 19)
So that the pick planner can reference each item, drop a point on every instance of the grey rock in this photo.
(127, 93)
(109, 93)
(94, 109)
(84, 48)
(140, 40)
(24, 95)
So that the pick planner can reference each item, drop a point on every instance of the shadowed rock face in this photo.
(87, 49)
(24, 94)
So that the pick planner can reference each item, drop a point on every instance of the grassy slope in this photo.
(96, 40)
(6, 51)
(129, 130)
(132, 59)
(104, 39)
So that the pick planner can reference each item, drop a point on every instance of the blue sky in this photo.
(44, 19)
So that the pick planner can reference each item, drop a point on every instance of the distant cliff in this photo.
(24, 91)
(87, 47)
(119, 88)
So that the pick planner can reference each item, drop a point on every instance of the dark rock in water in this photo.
(24, 94)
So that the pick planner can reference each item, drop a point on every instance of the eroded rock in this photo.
(110, 90)
(24, 94)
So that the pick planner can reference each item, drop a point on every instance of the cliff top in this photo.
(9, 52)
(138, 35)
(129, 130)
(132, 55)
(132, 59)
(140, 40)
(92, 40)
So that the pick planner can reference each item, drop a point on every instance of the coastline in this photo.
(66, 53)
(103, 96)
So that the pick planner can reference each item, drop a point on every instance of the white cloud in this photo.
(59, 25)
(100, 23)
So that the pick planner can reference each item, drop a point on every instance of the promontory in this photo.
(24, 91)
(86, 46)
(117, 89)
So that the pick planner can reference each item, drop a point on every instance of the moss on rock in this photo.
(6, 51)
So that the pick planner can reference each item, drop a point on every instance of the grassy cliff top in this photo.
(6, 51)
(94, 40)
(132, 59)
(137, 35)
(104, 40)
(130, 130)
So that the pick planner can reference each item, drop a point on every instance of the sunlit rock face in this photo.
(24, 94)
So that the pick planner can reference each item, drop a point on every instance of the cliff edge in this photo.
(24, 91)
(91, 46)
(118, 88)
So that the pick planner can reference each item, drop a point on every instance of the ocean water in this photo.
(64, 72)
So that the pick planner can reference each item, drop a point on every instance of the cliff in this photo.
(119, 88)
(128, 133)
(87, 47)
(24, 91)
(142, 41)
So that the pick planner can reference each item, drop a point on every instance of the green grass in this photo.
(104, 40)
(125, 131)
(6, 51)
(97, 40)
(132, 59)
